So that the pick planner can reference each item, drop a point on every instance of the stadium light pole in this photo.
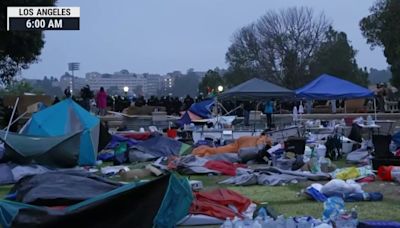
(73, 67)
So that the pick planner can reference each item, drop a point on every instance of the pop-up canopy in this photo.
(327, 87)
(254, 89)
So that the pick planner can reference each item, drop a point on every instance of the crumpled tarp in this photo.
(65, 187)
(122, 207)
(11, 173)
(218, 203)
(117, 139)
(272, 178)
(359, 156)
(191, 165)
(226, 168)
(158, 146)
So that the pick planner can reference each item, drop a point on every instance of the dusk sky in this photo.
(160, 36)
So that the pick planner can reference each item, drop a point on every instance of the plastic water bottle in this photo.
(227, 224)
(280, 222)
(304, 223)
(354, 217)
(247, 223)
(238, 224)
(257, 223)
(290, 223)
(269, 223)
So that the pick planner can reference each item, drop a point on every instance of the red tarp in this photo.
(215, 203)
(224, 167)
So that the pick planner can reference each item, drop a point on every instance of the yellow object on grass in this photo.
(348, 173)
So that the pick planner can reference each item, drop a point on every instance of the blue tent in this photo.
(202, 108)
(327, 87)
(64, 118)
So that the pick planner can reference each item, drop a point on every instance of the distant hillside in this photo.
(377, 76)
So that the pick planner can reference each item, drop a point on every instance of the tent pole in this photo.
(19, 117)
(375, 108)
(11, 119)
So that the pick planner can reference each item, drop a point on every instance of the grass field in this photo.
(287, 199)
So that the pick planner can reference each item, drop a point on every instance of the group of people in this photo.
(86, 95)
(173, 105)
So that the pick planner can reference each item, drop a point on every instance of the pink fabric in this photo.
(101, 100)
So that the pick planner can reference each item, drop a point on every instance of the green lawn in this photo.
(287, 199)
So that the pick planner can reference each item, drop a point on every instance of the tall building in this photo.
(138, 84)
(153, 84)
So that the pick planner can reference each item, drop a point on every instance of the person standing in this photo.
(67, 92)
(268, 110)
(101, 101)
(86, 95)
(246, 112)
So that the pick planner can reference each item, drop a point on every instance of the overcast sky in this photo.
(160, 36)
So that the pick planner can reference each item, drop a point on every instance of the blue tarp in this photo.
(328, 87)
(64, 118)
(203, 108)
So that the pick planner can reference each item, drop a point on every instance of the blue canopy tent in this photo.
(328, 87)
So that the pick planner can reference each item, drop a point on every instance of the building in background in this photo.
(66, 80)
(138, 84)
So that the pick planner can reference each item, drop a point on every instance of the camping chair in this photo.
(382, 146)
(296, 145)
(382, 153)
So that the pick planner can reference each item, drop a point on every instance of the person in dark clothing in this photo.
(56, 100)
(140, 102)
(86, 95)
(246, 112)
(188, 102)
(67, 92)
(268, 110)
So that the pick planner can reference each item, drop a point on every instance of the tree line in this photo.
(289, 47)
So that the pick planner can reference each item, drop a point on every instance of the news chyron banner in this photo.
(42, 18)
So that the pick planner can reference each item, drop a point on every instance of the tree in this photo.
(211, 80)
(184, 85)
(382, 28)
(278, 47)
(336, 47)
(17, 89)
(18, 49)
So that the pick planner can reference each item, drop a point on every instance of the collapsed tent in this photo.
(197, 111)
(64, 118)
(202, 108)
(57, 151)
(160, 203)
(328, 87)
(254, 89)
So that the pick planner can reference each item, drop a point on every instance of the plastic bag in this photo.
(332, 208)
(339, 186)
